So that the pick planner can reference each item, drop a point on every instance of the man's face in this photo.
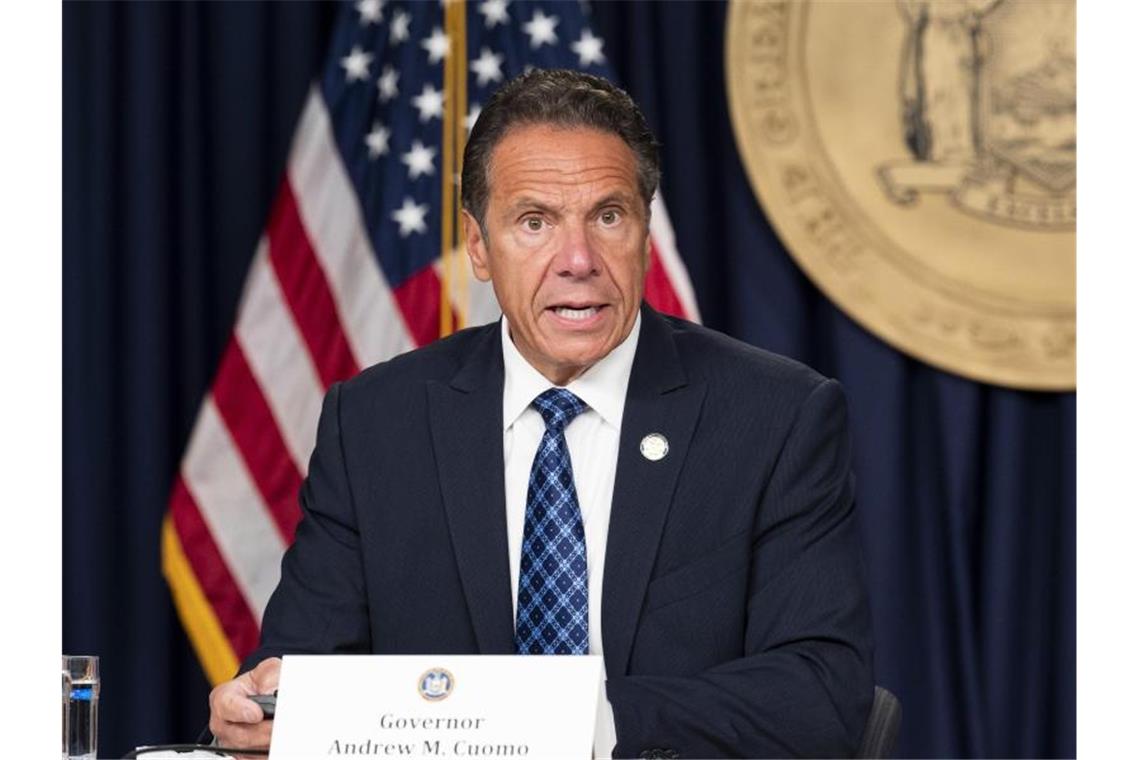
(566, 245)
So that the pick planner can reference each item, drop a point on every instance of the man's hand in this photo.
(235, 720)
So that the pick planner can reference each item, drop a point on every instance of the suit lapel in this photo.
(467, 435)
(660, 399)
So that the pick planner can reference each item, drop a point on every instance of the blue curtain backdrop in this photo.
(177, 119)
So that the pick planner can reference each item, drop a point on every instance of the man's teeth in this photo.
(568, 313)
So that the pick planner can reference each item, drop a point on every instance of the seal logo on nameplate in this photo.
(918, 159)
(436, 684)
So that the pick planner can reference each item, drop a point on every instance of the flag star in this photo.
(356, 64)
(487, 67)
(377, 140)
(588, 48)
(436, 45)
(400, 24)
(541, 29)
(387, 84)
(410, 217)
(419, 160)
(494, 12)
(429, 103)
(472, 117)
(370, 11)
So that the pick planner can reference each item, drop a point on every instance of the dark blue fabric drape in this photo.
(177, 119)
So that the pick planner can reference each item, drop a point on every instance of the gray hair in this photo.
(561, 98)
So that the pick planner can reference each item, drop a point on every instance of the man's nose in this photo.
(576, 256)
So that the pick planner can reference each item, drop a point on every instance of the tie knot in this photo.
(558, 406)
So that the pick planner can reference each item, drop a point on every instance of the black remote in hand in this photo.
(267, 702)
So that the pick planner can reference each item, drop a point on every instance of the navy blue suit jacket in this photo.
(734, 613)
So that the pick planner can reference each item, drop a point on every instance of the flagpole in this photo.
(447, 196)
(454, 108)
(460, 49)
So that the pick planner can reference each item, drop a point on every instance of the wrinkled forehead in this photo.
(550, 160)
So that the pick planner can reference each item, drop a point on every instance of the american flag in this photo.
(359, 250)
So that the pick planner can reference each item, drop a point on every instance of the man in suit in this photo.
(700, 488)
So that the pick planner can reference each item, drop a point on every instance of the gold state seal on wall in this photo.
(918, 159)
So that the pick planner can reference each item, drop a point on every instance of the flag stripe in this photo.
(418, 297)
(233, 613)
(658, 290)
(209, 639)
(307, 291)
(331, 214)
(277, 357)
(248, 418)
(232, 508)
(665, 243)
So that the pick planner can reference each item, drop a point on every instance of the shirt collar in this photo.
(602, 387)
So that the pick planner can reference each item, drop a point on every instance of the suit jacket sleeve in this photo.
(803, 686)
(320, 604)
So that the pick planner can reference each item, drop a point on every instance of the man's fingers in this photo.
(243, 736)
(235, 719)
(266, 675)
(229, 702)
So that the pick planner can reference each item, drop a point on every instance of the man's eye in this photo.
(533, 223)
(610, 217)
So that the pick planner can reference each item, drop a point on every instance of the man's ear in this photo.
(476, 247)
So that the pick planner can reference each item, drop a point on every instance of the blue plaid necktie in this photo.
(552, 614)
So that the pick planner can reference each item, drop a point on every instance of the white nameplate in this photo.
(458, 706)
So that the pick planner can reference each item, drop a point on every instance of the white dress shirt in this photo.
(592, 438)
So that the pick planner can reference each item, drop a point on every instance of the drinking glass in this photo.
(66, 704)
(83, 706)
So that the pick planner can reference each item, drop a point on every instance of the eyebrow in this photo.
(531, 203)
(615, 197)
